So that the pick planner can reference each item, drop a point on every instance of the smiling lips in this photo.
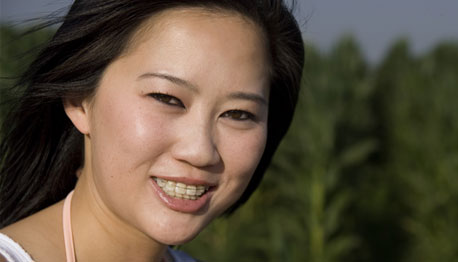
(180, 190)
(183, 194)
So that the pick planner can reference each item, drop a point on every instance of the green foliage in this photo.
(367, 172)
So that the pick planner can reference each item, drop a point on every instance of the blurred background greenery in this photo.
(367, 172)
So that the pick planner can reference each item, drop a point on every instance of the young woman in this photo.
(142, 121)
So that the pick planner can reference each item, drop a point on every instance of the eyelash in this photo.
(242, 115)
(165, 98)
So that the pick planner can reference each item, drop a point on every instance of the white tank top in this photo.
(12, 251)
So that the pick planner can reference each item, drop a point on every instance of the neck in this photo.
(97, 232)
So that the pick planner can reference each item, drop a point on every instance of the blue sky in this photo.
(374, 23)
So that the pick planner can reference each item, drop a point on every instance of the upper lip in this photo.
(188, 181)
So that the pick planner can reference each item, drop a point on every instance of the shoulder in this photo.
(12, 251)
(180, 256)
(39, 235)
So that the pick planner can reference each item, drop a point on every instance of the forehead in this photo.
(200, 45)
(182, 19)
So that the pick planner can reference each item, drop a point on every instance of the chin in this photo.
(176, 231)
(174, 237)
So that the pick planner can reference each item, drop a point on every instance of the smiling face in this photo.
(178, 123)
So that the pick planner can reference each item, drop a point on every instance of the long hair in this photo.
(41, 150)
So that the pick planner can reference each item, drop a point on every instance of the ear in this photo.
(78, 112)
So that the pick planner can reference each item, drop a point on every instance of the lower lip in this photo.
(182, 205)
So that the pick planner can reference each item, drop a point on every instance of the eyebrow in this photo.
(173, 79)
(181, 82)
(249, 96)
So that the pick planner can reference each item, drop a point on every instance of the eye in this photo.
(167, 99)
(239, 115)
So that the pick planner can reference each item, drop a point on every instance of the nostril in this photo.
(196, 139)
(198, 154)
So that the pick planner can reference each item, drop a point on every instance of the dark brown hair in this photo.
(41, 149)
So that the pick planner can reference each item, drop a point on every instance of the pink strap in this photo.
(68, 235)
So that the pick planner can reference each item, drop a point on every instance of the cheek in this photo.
(242, 154)
(126, 136)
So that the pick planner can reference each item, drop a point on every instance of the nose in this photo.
(196, 145)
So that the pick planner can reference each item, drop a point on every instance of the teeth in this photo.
(161, 182)
(181, 190)
(191, 192)
(170, 186)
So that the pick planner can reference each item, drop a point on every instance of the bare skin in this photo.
(41, 234)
